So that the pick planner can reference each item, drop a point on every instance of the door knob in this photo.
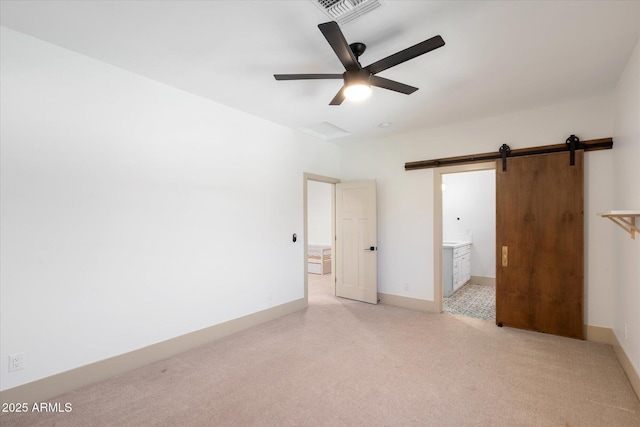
(371, 248)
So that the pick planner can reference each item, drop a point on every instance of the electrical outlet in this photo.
(16, 362)
(406, 286)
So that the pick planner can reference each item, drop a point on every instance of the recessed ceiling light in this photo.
(384, 125)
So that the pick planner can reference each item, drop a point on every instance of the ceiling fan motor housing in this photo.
(354, 77)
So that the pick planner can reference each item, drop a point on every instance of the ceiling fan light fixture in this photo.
(357, 92)
(357, 85)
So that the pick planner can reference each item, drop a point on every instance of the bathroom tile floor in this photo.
(472, 300)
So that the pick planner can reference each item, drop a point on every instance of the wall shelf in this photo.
(625, 220)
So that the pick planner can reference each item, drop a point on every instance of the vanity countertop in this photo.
(455, 243)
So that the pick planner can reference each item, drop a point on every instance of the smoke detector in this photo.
(343, 11)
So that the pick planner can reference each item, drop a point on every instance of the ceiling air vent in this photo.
(343, 11)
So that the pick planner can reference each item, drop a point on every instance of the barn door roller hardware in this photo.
(573, 142)
(505, 151)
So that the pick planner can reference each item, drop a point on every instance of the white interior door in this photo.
(356, 241)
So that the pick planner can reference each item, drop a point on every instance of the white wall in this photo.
(133, 212)
(319, 212)
(469, 213)
(405, 199)
(626, 195)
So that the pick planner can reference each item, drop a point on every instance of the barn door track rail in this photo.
(572, 144)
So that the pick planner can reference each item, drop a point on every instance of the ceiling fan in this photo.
(358, 79)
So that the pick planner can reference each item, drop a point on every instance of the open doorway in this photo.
(468, 233)
(352, 255)
(319, 241)
(464, 239)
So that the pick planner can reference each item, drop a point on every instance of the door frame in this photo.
(437, 221)
(306, 177)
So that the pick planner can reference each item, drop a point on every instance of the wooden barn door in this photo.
(539, 244)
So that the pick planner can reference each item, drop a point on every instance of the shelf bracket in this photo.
(625, 220)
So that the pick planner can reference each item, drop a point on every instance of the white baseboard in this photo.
(627, 366)
(410, 303)
(599, 334)
(55, 385)
(481, 280)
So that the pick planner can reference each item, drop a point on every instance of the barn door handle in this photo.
(505, 256)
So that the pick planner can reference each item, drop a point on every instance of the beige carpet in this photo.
(344, 363)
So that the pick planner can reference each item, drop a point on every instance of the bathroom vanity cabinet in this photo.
(456, 266)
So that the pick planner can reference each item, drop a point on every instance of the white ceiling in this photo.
(499, 56)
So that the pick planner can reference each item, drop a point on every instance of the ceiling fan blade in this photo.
(306, 76)
(406, 54)
(392, 85)
(338, 43)
(337, 100)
